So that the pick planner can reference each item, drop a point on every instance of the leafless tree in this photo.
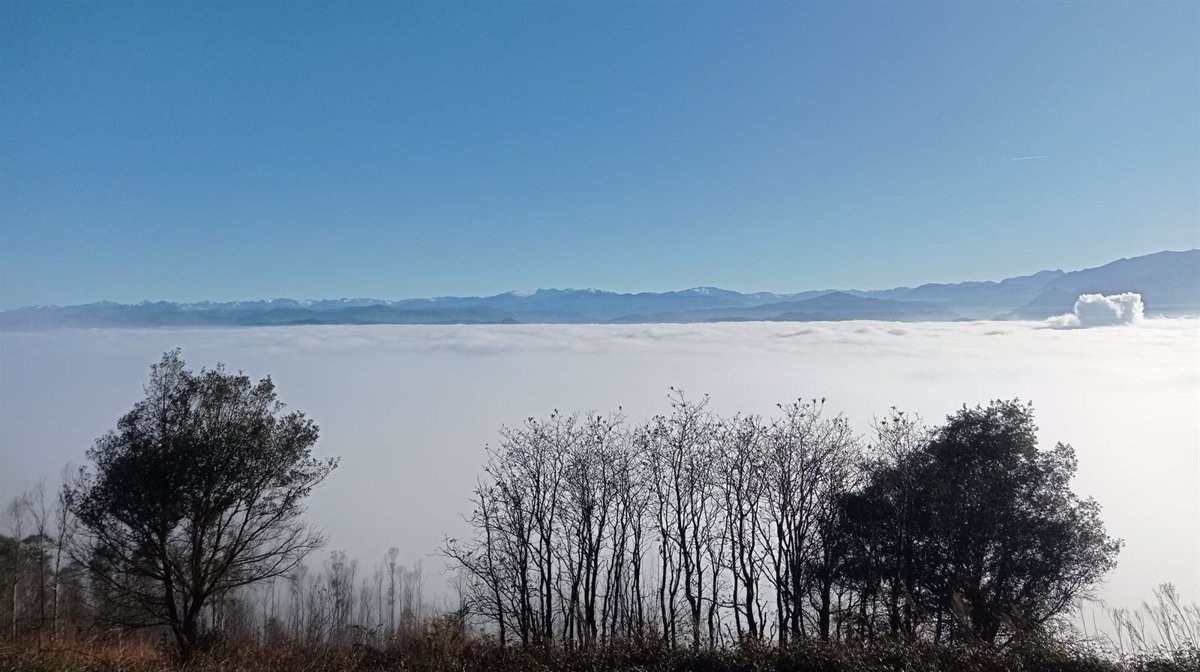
(15, 565)
(681, 453)
(64, 535)
(744, 470)
(39, 512)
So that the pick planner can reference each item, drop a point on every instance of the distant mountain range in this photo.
(1169, 283)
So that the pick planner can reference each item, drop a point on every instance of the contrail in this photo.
(1030, 158)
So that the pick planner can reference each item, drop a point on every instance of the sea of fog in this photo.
(410, 408)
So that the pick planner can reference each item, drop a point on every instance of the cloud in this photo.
(1099, 310)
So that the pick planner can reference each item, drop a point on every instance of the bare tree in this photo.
(624, 601)
(838, 456)
(588, 497)
(743, 468)
(64, 535)
(793, 461)
(15, 557)
(389, 569)
(39, 514)
(681, 454)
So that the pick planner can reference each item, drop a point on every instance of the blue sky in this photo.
(188, 151)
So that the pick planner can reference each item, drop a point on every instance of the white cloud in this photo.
(1098, 310)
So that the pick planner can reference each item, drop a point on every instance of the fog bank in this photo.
(409, 408)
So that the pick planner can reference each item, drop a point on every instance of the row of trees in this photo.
(688, 529)
(41, 585)
(697, 530)
(339, 606)
(49, 597)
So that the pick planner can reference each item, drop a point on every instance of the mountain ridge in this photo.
(1169, 282)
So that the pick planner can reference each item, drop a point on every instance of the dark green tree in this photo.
(883, 526)
(198, 491)
(985, 527)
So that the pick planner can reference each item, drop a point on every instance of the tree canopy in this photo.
(978, 524)
(199, 490)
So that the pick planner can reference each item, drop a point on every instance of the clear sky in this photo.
(219, 150)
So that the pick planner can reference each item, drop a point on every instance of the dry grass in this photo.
(144, 656)
(431, 655)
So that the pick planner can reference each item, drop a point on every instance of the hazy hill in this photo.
(984, 299)
(1168, 281)
(832, 306)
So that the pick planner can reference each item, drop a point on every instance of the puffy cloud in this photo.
(1098, 310)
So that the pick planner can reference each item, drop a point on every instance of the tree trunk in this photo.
(826, 607)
